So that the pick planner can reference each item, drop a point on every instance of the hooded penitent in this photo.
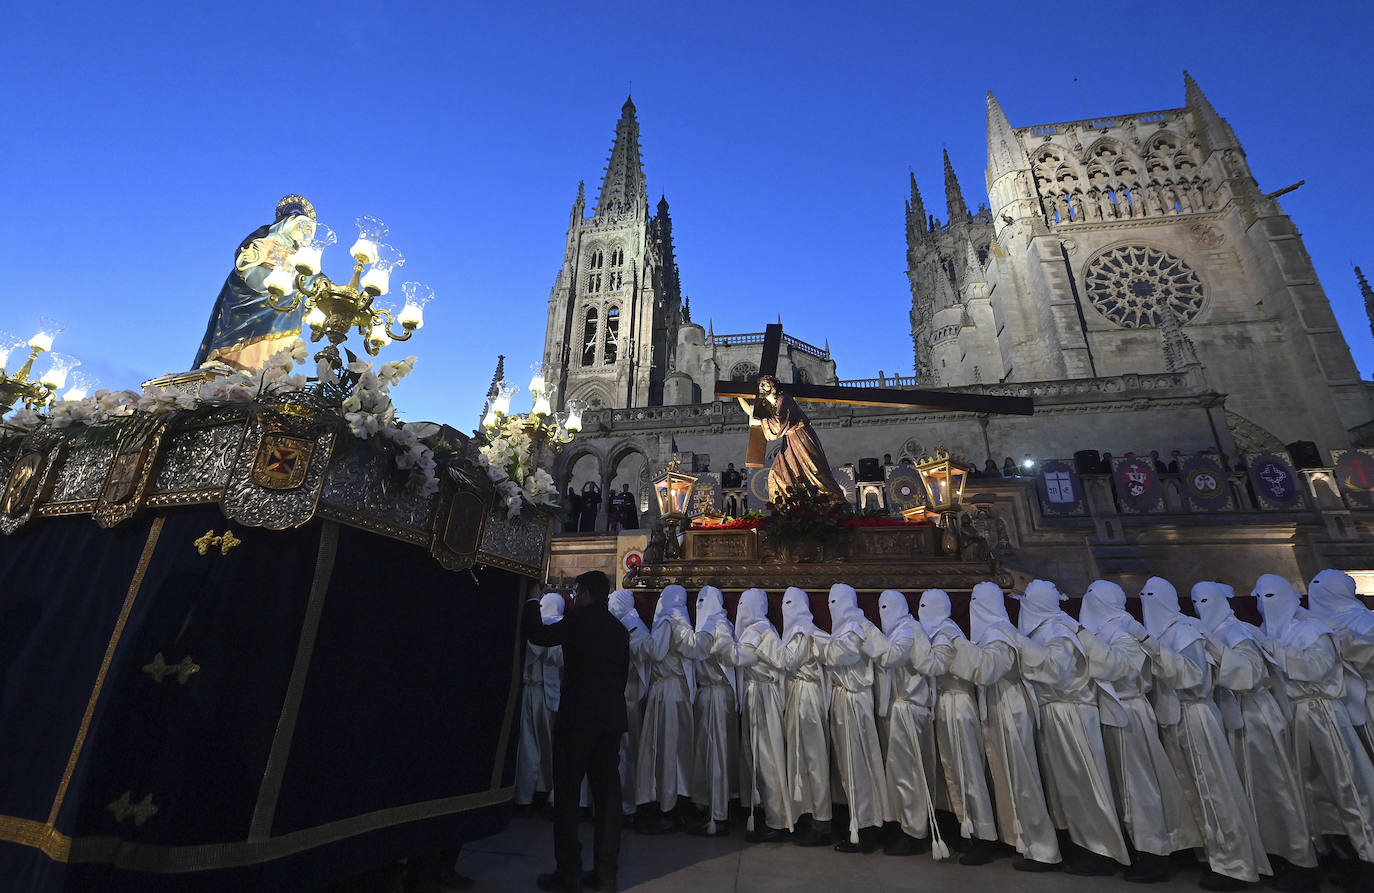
(845, 615)
(1040, 606)
(933, 612)
(622, 607)
(1278, 603)
(751, 611)
(1212, 604)
(796, 614)
(987, 616)
(1104, 610)
(1331, 598)
(1159, 605)
(551, 608)
(672, 602)
(710, 609)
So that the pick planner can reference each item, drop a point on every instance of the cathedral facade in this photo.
(1138, 243)
(1126, 273)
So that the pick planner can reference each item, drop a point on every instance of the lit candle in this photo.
(364, 250)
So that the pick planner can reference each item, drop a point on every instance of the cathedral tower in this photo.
(616, 305)
(1136, 243)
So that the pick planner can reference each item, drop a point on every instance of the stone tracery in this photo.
(1129, 283)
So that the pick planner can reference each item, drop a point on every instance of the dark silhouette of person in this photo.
(587, 729)
(730, 478)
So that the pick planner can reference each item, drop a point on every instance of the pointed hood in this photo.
(1004, 149)
(551, 608)
(892, 610)
(1279, 603)
(1212, 604)
(845, 616)
(987, 616)
(1104, 610)
(751, 611)
(933, 612)
(622, 606)
(710, 609)
(1159, 605)
(672, 602)
(796, 614)
(1331, 598)
(954, 196)
(1040, 607)
(623, 189)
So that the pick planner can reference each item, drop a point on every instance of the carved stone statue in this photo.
(801, 460)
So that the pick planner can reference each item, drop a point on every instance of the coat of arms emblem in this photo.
(282, 461)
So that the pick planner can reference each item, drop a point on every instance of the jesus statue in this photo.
(801, 460)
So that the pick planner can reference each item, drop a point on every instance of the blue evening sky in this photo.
(143, 140)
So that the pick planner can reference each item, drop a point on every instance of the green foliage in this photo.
(804, 515)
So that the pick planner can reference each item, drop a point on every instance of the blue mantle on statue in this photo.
(304, 705)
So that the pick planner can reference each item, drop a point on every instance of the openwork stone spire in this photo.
(500, 374)
(1368, 294)
(918, 207)
(623, 189)
(1218, 132)
(1004, 149)
(954, 196)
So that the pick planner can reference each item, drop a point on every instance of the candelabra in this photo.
(331, 310)
(543, 425)
(36, 392)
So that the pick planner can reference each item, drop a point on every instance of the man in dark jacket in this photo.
(587, 730)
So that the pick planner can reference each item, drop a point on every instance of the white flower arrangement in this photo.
(509, 458)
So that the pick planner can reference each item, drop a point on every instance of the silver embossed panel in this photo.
(371, 489)
(82, 472)
(198, 459)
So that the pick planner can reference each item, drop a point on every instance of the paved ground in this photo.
(679, 862)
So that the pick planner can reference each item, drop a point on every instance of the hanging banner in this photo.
(1061, 491)
(1205, 484)
(1274, 481)
(1355, 476)
(1137, 485)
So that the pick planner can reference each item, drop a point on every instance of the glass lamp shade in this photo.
(8, 343)
(501, 402)
(48, 329)
(376, 280)
(279, 281)
(541, 404)
(491, 419)
(307, 259)
(673, 489)
(370, 231)
(315, 318)
(59, 366)
(378, 335)
(537, 378)
(81, 386)
(412, 315)
(574, 422)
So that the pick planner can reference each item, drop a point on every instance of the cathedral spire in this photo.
(973, 267)
(500, 374)
(954, 197)
(1218, 133)
(623, 187)
(1368, 294)
(1004, 149)
(918, 206)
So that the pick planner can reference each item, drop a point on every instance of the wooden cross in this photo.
(916, 399)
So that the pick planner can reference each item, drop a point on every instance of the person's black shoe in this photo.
(766, 835)
(1034, 866)
(1148, 869)
(816, 834)
(1299, 880)
(906, 845)
(979, 852)
(659, 825)
(1089, 864)
(848, 846)
(1220, 883)
(558, 883)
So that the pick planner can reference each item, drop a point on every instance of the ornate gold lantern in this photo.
(943, 477)
(673, 489)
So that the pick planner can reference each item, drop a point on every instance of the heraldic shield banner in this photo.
(1061, 492)
(1206, 484)
(1137, 485)
(1275, 482)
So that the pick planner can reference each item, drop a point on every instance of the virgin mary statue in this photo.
(243, 330)
(802, 460)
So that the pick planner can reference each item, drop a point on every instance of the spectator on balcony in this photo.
(990, 469)
(730, 478)
(1161, 467)
(1009, 468)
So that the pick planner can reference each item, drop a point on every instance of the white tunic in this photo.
(806, 732)
(763, 752)
(911, 731)
(538, 703)
(715, 764)
(663, 764)
(854, 732)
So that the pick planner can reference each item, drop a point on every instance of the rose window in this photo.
(1130, 286)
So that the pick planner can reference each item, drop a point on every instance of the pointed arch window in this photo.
(612, 335)
(589, 338)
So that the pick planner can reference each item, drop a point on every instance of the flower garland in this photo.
(362, 396)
